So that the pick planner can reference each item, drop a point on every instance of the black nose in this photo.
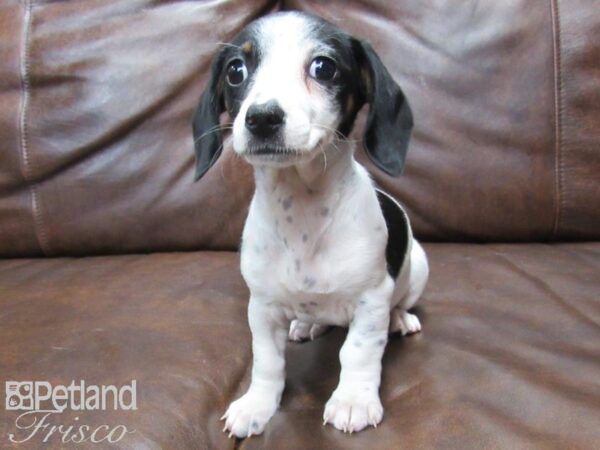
(264, 120)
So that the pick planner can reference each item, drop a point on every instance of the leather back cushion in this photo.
(96, 99)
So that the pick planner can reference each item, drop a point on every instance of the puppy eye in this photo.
(236, 72)
(322, 68)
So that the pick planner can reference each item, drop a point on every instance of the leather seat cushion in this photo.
(508, 358)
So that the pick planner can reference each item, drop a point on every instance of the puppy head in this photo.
(292, 83)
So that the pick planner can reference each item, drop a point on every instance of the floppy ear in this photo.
(390, 119)
(208, 139)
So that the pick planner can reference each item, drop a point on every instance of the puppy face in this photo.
(288, 81)
(292, 83)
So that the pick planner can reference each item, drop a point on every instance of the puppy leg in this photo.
(401, 320)
(250, 413)
(302, 331)
(355, 402)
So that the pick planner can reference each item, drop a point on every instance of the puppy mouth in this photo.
(273, 151)
(274, 154)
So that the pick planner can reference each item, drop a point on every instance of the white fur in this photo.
(313, 250)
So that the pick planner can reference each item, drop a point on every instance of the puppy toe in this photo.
(303, 331)
(299, 331)
(317, 330)
(248, 415)
(353, 410)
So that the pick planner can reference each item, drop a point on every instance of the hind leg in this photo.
(400, 319)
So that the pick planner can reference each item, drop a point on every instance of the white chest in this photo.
(312, 251)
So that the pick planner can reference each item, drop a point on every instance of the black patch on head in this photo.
(346, 86)
(219, 96)
(398, 233)
(362, 78)
(244, 47)
(390, 119)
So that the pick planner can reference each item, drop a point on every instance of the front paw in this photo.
(354, 408)
(249, 414)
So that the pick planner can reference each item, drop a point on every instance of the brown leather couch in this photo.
(116, 266)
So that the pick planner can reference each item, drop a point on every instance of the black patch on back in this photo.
(398, 233)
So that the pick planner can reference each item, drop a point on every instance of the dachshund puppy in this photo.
(321, 246)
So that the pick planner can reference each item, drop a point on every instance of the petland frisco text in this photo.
(43, 404)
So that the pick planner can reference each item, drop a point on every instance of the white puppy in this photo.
(321, 246)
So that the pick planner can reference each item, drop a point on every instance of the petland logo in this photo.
(43, 403)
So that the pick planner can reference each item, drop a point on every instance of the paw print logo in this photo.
(19, 395)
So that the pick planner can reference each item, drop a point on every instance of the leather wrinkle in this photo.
(26, 163)
(125, 127)
(551, 293)
(558, 115)
(509, 422)
(554, 383)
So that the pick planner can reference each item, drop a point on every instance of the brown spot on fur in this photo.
(247, 47)
(350, 105)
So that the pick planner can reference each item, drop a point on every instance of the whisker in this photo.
(322, 150)
(337, 133)
(213, 130)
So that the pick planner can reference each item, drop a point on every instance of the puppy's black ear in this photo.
(390, 119)
(208, 139)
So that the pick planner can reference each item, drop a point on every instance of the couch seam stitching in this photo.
(558, 113)
(24, 70)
